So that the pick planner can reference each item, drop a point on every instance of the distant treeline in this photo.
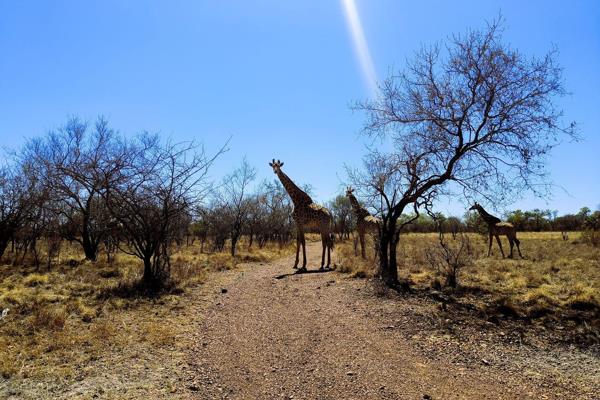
(525, 221)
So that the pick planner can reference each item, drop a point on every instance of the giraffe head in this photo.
(475, 206)
(276, 165)
(349, 191)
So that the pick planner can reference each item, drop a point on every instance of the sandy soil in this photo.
(326, 336)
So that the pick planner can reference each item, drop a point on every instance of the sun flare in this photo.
(360, 45)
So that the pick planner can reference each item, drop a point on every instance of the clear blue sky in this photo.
(278, 76)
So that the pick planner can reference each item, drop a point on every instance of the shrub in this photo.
(49, 318)
(448, 259)
(591, 237)
(35, 280)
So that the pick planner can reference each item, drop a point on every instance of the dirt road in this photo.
(324, 336)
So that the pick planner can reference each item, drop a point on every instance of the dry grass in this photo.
(60, 321)
(347, 258)
(556, 277)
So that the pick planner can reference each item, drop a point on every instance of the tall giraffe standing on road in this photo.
(307, 214)
(365, 222)
(496, 227)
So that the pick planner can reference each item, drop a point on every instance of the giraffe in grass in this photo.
(307, 215)
(365, 222)
(497, 227)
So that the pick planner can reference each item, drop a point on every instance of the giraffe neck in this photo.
(298, 196)
(355, 204)
(357, 207)
(487, 217)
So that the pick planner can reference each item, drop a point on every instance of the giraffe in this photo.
(365, 222)
(496, 227)
(307, 214)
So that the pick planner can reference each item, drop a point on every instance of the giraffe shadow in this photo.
(303, 272)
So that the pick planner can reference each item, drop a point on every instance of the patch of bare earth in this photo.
(326, 336)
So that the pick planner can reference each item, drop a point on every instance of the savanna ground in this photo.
(513, 329)
(81, 330)
(556, 284)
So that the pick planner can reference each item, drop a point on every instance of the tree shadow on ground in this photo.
(138, 289)
(302, 272)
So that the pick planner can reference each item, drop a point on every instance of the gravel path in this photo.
(324, 336)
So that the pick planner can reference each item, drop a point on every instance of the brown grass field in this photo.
(65, 324)
(63, 320)
(557, 285)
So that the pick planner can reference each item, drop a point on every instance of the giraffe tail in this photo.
(331, 240)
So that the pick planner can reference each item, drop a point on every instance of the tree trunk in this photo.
(90, 248)
(148, 278)
(388, 269)
(234, 240)
(3, 244)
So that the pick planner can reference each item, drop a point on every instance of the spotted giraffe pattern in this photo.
(497, 227)
(307, 215)
(365, 222)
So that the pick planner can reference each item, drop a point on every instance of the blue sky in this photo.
(277, 76)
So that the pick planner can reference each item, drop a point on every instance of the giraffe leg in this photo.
(329, 247)
(511, 241)
(500, 245)
(490, 244)
(297, 250)
(323, 246)
(303, 252)
(518, 242)
(362, 244)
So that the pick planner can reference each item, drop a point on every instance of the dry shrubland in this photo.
(558, 280)
(62, 320)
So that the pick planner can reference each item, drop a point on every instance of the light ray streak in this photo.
(360, 45)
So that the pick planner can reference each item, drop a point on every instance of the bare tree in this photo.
(154, 189)
(257, 218)
(448, 259)
(70, 159)
(22, 193)
(234, 197)
(342, 216)
(218, 221)
(453, 225)
(472, 114)
(278, 210)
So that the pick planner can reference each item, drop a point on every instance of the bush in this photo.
(49, 318)
(35, 280)
(591, 237)
(448, 259)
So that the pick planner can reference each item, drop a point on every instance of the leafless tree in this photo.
(218, 221)
(198, 229)
(156, 185)
(278, 224)
(22, 193)
(235, 200)
(454, 226)
(71, 160)
(448, 259)
(342, 216)
(473, 114)
(257, 218)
